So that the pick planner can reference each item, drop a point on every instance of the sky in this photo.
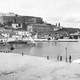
(67, 12)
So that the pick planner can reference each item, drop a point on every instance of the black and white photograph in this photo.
(39, 39)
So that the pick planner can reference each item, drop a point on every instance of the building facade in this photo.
(7, 19)
(40, 28)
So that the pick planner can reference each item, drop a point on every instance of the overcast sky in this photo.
(65, 11)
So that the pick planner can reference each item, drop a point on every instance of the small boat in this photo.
(21, 41)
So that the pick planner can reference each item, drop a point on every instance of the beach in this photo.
(18, 67)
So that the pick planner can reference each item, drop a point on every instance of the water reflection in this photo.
(44, 49)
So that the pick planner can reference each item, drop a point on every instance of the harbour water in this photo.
(43, 49)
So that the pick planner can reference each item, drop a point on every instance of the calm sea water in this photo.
(51, 49)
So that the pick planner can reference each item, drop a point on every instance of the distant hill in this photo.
(69, 30)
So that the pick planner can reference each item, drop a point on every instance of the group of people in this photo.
(59, 58)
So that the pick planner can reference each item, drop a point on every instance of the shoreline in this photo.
(59, 40)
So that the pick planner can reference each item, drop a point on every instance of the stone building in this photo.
(14, 18)
(11, 18)
(41, 29)
(29, 23)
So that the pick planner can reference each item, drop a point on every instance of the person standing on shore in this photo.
(47, 57)
(70, 58)
(22, 53)
(60, 58)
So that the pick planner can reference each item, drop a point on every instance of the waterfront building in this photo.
(23, 33)
(28, 23)
(16, 25)
(75, 36)
(41, 29)
(5, 35)
(2, 39)
(38, 28)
